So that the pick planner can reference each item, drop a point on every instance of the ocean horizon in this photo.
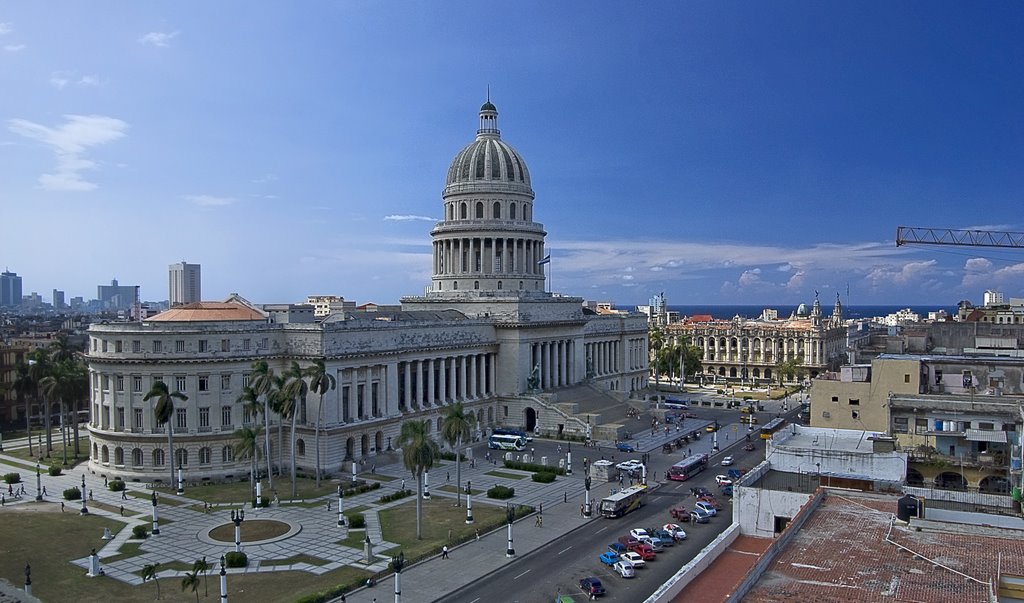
(725, 311)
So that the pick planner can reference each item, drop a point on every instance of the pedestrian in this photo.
(581, 508)
(10, 489)
(478, 535)
(447, 476)
(536, 521)
(122, 510)
(403, 483)
(90, 494)
(373, 468)
(444, 553)
(44, 490)
(328, 505)
(688, 452)
(124, 494)
(565, 497)
(540, 521)
(104, 481)
(62, 506)
(3, 500)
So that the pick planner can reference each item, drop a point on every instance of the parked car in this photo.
(618, 548)
(592, 586)
(735, 473)
(644, 550)
(609, 558)
(624, 447)
(676, 531)
(679, 513)
(727, 461)
(727, 491)
(699, 515)
(707, 507)
(638, 533)
(628, 465)
(711, 500)
(628, 541)
(667, 539)
(633, 559)
(654, 542)
(700, 491)
(624, 569)
(723, 480)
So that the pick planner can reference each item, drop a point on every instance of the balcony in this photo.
(205, 429)
(179, 429)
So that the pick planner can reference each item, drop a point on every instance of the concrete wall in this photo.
(686, 574)
(991, 500)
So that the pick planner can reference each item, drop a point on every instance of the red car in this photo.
(711, 501)
(644, 550)
(679, 513)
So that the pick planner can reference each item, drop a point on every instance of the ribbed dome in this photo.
(488, 159)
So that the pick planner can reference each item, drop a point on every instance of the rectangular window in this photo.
(835, 398)
(137, 418)
(94, 345)
(204, 383)
(204, 417)
(263, 343)
(854, 402)
(373, 399)
(505, 408)
(225, 416)
(246, 416)
(136, 346)
(854, 414)
(120, 383)
(225, 345)
(246, 344)
(181, 418)
(906, 378)
(245, 379)
(900, 424)
(158, 346)
(120, 418)
(225, 382)
(103, 345)
(106, 383)
(344, 404)
(117, 346)
(202, 345)
(179, 345)
(988, 426)
(136, 384)
(179, 383)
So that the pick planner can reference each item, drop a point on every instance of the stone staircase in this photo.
(585, 408)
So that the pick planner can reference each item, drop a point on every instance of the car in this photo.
(624, 447)
(748, 447)
(592, 586)
(628, 541)
(644, 550)
(618, 548)
(674, 529)
(699, 516)
(624, 569)
(727, 461)
(633, 559)
(609, 558)
(675, 404)
(723, 480)
(565, 599)
(700, 491)
(706, 507)
(735, 473)
(727, 491)
(679, 513)
(629, 465)
(746, 410)
(666, 537)
(654, 542)
(711, 500)
(639, 533)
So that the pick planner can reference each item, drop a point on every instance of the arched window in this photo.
(119, 456)
(181, 456)
(300, 447)
(205, 455)
(158, 457)
(497, 210)
(512, 211)
(462, 211)
(105, 454)
(520, 285)
(227, 455)
(476, 284)
(455, 286)
(136, 457)
(499, 285)
(480, 210)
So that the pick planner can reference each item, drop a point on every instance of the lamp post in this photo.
(259, 494)
(426, 485)
(181, 479)
(28, 579)
(469, 506)
(353, 471)
(341, 507)
(238, 518)
(223, 582)
(156, 525)
(397, 563)
(586, 496)
(39, 485)
(568, 459)
(510, 516)
(85, 509)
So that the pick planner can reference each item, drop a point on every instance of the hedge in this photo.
(360, 489)
(534, 467)
(397, 495)
(236, 559)
(501, 492)
(356, 520)
(544, 477)
(12, 478)
(140, 532)
(72, 494)
(54, 470)
(264, 502)
(116, 485)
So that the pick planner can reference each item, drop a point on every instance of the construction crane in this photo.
(906, 235)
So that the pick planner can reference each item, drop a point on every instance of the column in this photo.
(407, 386)
(545, 365)
(492, 384)
(390, 389)
(442, 380)
(431, 401)
(453, 390)
(472, 378)
(462, 378)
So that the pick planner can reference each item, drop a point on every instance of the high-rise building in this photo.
(117, 297)
(185, 283)
(58, 299)
(10, 289)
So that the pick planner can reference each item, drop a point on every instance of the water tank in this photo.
(907, 507)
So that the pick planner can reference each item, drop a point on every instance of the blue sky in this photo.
(720, 152)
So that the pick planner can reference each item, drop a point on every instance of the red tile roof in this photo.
(208, 312)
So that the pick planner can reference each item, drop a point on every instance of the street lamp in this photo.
(341, 507)
(156, 525)
(28, 579)
(426, 485)
(223, 582)
(469, 506)
(85, 510)
(181, 479)
(39, 485)
(397, 563)
(586, 496)
(238, 518)
(568, 458)
(510, 516)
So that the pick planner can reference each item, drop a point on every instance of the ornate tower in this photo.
(488, 240)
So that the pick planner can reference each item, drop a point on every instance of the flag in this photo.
(546, 260)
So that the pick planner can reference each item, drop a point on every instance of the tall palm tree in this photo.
(191, 579)
(455, 425)
(294, 394)
(262, 384)
(50, 388)
(23, 386)
(252, 404)
(149, 572)
(39, 367)
(418, 454)
(163, 411)
(247, 445)
(320, 382)
(278, 406)
(657, 341)
(202, 565)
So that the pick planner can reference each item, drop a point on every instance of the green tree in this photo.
(163, 411)
(788, 369)
(247, 445)
(455, 426)
(202, 565)
(295, 391)
(39, 367)
(418, 455)
(657, 341)
(320, 382)
(23, 388)
(262, 385)
(191, 579)
(149, 572)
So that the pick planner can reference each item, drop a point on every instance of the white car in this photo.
(624, 569)
(676, 531)
(723, 480)
(706, 507)
(727, 461)
(639, 533)
(630, 465)
(633, 559)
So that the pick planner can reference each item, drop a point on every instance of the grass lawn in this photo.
(54, 578)
(398, 525)
(455, 490)
(377, 477)
(506, 475)
(148, 495)
(57, 456)
(252, 530)
(238, 492)
(354, 539)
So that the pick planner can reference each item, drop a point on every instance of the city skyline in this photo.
(723, 154)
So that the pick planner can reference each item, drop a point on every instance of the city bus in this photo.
(688, 467)
(623, 501)
(507, 442)
(512, 431)
(772, 427)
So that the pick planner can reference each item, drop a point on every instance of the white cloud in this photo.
(159, 38)
(88, 80)
(978, 273)
(61, 79)
(899, 275)
(409, 218)
(58, 79)
(796, 281)
(5, 28)
(210, 200)
(14, 47)
(69, 141)
(750, 278)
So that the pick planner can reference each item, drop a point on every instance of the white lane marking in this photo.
(475, 600)
(521, 575)
(601, 530)
(564, 550)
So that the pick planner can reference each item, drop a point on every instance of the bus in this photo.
(512, 431)
(623, 501)
(507, 442)
(772, 427)
(688, 467)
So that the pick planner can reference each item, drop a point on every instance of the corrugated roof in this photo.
(208, 312)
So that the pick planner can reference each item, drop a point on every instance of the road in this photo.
(558, 567)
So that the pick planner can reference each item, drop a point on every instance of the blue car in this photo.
(624, 447)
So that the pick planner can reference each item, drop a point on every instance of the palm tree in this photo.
(163, 410)
(247, 445)
(455, 424)
(202, 565)
(149, 573)
(262, 383)
(191, 579)
(39, 367)
(657, 340)
(50, 388)
(294, 392)
(23, 386)
(418, 454)
(321, 382)
(278, 405)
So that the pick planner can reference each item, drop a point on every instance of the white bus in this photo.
(623, 501)
(507, 442)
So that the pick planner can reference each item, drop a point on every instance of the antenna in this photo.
(488, 93)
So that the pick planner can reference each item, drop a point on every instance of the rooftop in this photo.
(838, 440)
(208, 312)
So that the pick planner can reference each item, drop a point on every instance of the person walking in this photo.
(124, 494)
(122, 510)
(444, 552)
(403, 483)
(44, 490)
(62, 506)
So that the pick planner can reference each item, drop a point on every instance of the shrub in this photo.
(264, 502)
(236, 559)
(536, 468)
(356, 520)
(72, 494)
(54, 470)
(116, 485)
(395, 496)
(363, 487)
(544, 477)
(140, 532)
(501, 492)
(448, 456)
(12, 478)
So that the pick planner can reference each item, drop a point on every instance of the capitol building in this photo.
(485, 332)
